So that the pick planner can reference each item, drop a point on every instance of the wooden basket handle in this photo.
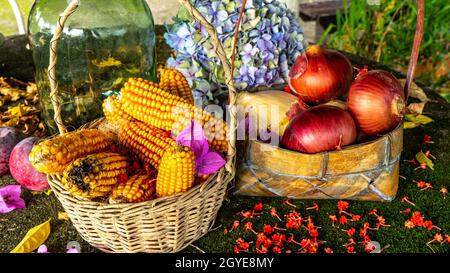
(73, 5)
(232, 93)
(416, 47)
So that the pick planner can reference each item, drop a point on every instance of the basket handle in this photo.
(220, 52)
(19, 16)
(73, 5)
(416, 47)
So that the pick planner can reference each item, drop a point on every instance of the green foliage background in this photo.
(384, 33)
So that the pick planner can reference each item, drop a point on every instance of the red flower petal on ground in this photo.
(438, 237)
(417, 218)
(350, 249)
(247, 214)
(350, 232)
(315, 207)
(356, 217)
(313, 232)
(235, 225)
(342, 205)
(268, 229)
(258, 207)
(343, 220)
(426, 140)
(374, 211)
(333, 219)
(408, 210)
(409, 224)
(328, 250)
(225, 231)
(236, 249)
(276, 249)
(273, 212)
(369, 246)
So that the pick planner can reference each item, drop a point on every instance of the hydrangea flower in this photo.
(270, 39)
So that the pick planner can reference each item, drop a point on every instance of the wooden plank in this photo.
(322, 8)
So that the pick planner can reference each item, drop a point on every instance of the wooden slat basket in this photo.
(368, 171)
(166, 224)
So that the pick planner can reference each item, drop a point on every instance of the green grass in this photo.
(8, 25)
(385, 32)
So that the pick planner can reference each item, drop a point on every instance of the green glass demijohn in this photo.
(103, 44)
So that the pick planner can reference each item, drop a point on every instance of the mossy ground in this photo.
(430, 203)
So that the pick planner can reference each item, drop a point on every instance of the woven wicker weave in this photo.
(166, 224)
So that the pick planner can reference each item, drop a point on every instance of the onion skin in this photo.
(376, 102)
(324, 75)
(319, 129)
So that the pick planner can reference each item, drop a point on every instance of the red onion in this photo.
(320, 75)
(376, 101)
(318, 129)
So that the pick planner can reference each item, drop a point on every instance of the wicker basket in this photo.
(166, 224)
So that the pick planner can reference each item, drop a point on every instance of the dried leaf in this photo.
(415, 108)
(415, 91)
(413, 120)
(63, 216)
(422, 158)
(34, 238)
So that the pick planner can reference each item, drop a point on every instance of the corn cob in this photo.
(174, 82)
(146, 142)
(94, 176)
(112, 109)
(176, 173)
(145, 101)
(140, 187)
(54, 155)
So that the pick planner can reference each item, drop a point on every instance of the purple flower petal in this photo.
(10, 199)
(42, 249)
(194, 138)
(210, 163)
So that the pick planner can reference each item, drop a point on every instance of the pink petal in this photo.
(42, 249)
(72, 250)
(10, 198)
(194, 138)
(210, 163)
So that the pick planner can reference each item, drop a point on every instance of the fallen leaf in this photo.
(412, 120)
(422, 158)
(34, 238)
(415, 108)
(62, 215)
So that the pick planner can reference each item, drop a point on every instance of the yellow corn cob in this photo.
(112, 109)
(176, 173)
(94, 176)
(140, 187)
(145, 101)
(146, 142)
(54, 155)
(174, 82)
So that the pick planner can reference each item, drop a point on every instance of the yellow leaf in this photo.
(34, 238)
(108, 63)
(412, 120)
(422, 158)
(63, 216)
